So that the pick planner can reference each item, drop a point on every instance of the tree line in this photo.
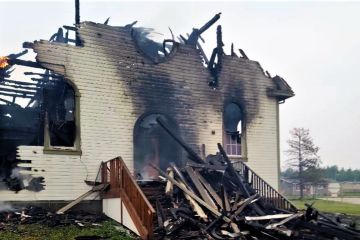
(329, 173)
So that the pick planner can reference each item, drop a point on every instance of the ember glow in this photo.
(4, 62)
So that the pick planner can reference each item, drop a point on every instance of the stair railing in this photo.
(123, 185)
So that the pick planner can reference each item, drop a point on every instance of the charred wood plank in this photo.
(169, 186)
(17, 95)
(181, 176)
(194, 204)
(268, 217)
(274, 225)
(24, 63)
(243, 54)
(193, 155)
(191, 194)
(209, 188)
(206, 166)
(13, 85)
(18, 82)
(10, 103)
(203, 193)
(97, 188)
(242, 206)
(160, 214)
(16, 91)
(227, 203)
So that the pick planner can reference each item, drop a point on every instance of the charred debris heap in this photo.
(211, 199)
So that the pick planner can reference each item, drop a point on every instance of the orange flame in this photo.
(4, 62)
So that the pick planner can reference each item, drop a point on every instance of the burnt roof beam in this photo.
(195, 34)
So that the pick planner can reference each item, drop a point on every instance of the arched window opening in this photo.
(152, 145)
(233, 127)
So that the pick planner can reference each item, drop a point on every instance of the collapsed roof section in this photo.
(160, 52)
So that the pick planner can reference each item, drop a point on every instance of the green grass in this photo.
(108, 230)
(329, 206)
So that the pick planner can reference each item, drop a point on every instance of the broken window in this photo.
(152, 145)
(60, 117)
(233, 125)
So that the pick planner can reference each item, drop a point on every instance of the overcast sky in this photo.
(314, 46)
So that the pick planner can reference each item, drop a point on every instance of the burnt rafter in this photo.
(18, 86)
(17, 82)
(195, 34)
(25, 63)
(24, 95)
(16, 90)
(218, 53)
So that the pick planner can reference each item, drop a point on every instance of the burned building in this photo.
(164, 108)
(100, 98)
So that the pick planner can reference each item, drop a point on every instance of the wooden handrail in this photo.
(123, 185)
(266, 191)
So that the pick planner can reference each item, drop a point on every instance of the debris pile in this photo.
(38, 215)
(210, 199)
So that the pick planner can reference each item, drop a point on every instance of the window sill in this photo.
(61, 151)
(235, 158)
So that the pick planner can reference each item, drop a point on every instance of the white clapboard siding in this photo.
(116, 82)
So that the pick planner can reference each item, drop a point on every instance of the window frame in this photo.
(76, 148)
(243, 144)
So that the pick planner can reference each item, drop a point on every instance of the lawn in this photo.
(330, 206)
(108, 230)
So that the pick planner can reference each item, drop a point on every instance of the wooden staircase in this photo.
(123, 186)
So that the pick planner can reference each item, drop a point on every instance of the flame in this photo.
(4, 62)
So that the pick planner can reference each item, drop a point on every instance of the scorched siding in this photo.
(118, 84)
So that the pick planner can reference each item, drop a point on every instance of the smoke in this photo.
(20, 181)
(5, 207)
(15, 173)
